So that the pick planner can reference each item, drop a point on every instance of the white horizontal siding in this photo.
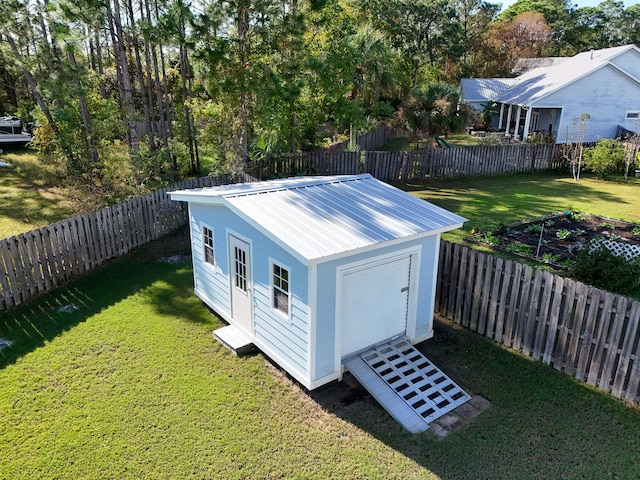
(605, 95)
(629, 61)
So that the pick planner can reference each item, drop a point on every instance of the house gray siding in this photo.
(629, 61)
(605, 95)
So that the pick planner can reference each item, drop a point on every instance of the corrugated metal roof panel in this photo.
(319, 217)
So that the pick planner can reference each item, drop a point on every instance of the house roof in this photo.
(525, 64)
(533, 85)
(319, 217)
(484, 89)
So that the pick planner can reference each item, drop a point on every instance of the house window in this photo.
(240, 262)
(280, 289)
(535, 115)
(633, 115)
(207, 242)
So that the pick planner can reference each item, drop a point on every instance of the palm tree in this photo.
(375, 71)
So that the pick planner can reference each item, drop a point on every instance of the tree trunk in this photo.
(140, 76)
(9, 83)
(44, 108)
(98, 60)
(125, 77)
(84, 112)
(184, 73)
(32, 86)
(243, 28)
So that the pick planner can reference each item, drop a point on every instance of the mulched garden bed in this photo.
(556, 239)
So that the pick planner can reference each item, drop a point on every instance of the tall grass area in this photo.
(490, 202)
(31, 195)
(132, 385)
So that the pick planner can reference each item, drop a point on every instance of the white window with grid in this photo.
(280, 289)
(207, 245)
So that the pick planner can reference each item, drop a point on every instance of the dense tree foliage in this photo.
(128, 94)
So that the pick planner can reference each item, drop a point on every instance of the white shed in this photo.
(316, 269)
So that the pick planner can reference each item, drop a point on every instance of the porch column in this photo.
(515, 132)
(501, 116)
(527, 124)
(506, 132)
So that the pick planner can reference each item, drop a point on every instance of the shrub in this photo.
(599, 267)
(606, 158)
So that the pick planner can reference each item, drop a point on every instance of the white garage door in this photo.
(374, 303)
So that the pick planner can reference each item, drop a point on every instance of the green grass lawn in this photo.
(132, 385)
(489, 202)
(30, 196)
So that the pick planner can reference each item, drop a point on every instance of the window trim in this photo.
(206, 247)
(272, 287)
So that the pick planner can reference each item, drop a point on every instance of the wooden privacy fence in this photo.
(417, 165)
(462, 162)
(41, 260)
(585, 332)
(311, 163)
(369, 141)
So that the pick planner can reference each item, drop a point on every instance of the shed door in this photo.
(240, 277)
(375, 299)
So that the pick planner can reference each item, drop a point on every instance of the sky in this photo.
(579, 3)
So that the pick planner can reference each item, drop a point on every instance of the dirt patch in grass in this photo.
(556, 239)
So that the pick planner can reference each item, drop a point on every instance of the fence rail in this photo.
(417, 165)
(39, 261)
(580, 330)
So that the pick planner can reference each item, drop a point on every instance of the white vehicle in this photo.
(13, 132)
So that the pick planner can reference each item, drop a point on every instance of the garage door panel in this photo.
(374, 303)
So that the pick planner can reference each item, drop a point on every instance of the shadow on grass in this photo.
(31, 193)
(541, 424)
(168, 287)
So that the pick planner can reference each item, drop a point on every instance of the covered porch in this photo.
(521, 122)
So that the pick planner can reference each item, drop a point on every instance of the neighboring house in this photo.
(605, 84)
(316, 269)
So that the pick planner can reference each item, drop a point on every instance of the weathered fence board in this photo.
(414, 165)
(575, 328)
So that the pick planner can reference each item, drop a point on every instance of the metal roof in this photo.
(484, 89)
(533, 85)
(525, 64)
(320, 217)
